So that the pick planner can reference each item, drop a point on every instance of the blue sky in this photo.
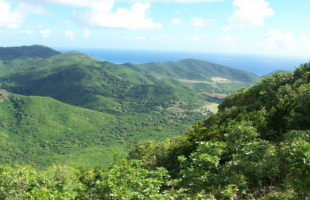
(274, 27)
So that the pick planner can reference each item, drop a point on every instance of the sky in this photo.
(273, 27)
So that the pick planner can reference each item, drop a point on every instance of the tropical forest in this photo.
(75, 127)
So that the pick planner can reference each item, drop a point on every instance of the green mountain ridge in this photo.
(144, 106)
(43, 131)
(256, 147)
(23, 52)
(79, 80)
(280, 71)
(193, 69)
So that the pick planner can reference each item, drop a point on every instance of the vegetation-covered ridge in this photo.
(79, 80)
(281, 71)
(42, 131)
(141, 106)
(193, 69)
(256, 147)
(24, 52)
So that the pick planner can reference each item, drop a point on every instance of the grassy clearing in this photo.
(209, 108)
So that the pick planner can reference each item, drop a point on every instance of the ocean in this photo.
(257, 64)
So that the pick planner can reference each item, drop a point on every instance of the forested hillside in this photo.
(193, 69)
(122, 106)
(42, 131)
(25, 52)
(82, 81)
(256, 147)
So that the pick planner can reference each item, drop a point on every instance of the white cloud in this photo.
(13, 19)
(202, 22)
(29, 9)
(89, 3)
(45, 33)
(28, 32)
(41, 26)
(250, 13)
(227, 39)
(8, 18)
(187, 1)
(305, 39)
(86, 33)
(69, 34)
(276, 38)
(225, 28)
(100, 15)
(176, 21)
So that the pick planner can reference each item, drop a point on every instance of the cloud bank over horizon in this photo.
(255, 26)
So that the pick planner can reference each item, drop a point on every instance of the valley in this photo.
(68, 107)
(72, 127)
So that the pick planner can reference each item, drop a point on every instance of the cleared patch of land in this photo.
(212, 107)
(223, 80)
(193, 81)
(3, 95)
(221, 96)
(214, 79)
(208, 108)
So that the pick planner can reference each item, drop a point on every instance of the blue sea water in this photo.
(257, 64)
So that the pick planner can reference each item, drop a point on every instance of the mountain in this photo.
(192, 69)
(78, 80)
(258, 139)
(144, 106)
(24, 52)
(81, 81)
(42, 131)
(280, 71)
(256, 147)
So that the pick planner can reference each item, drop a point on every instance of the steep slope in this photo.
(256, 147)
(43, 131)
(259, 139)
(81, 81)
(193, 69)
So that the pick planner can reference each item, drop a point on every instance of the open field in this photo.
(223, 80)
(214, 79)
(218, 95)
(207, 108)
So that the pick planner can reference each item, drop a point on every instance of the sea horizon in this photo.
(256, 64)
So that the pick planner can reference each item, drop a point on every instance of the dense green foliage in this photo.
(192, 69)
(24, 52)
(43, 131)
(256, 147)
(140, 106)
(79, 80)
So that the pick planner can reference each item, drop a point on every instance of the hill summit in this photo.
(33, 51)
